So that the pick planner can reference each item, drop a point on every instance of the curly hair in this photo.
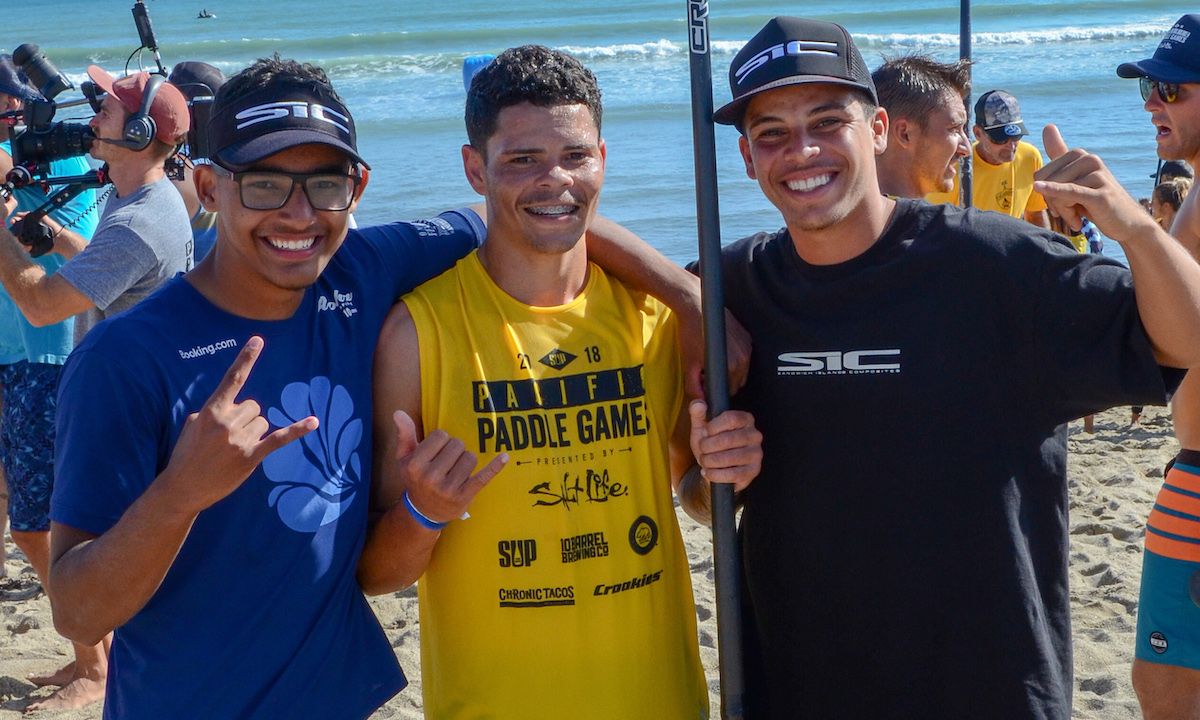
(268, 71)
(529, 73)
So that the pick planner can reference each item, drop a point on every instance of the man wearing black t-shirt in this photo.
(905, 545)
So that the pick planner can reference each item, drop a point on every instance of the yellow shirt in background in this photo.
(567, 593)
(1006, 188)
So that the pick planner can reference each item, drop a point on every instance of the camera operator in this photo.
(143, 235)
(31, 360)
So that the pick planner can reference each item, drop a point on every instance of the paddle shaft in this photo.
(726, 560)
(964, 53)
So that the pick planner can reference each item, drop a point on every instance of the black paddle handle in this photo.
(726, 558)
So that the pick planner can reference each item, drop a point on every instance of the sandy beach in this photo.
(1113, 477)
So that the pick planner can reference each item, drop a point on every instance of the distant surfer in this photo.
(205, 14)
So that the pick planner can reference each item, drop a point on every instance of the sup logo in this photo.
(517, 553)
(643, 535)
(557, 359)
(1158, 642)
(318, 476)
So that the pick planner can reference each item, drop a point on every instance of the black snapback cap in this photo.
(279, 116)
(793, 51)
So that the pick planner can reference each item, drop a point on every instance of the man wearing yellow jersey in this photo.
(1003, 164)
(566, 592)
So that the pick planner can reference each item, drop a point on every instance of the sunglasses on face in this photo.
(1167, 92)
(999, 137)
(269, 190)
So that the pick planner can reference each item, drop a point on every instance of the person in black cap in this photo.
(906, 545)
(196, 79)
(1166, 666)
(29, 374)
(1172, 169)
(1004, 164)
(218, 435)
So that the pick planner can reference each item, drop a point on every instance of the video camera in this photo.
(42, 141)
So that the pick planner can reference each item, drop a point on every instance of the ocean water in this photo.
(398, 65)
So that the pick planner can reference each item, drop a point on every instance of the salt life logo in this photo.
(839, 362)
(341, 301)
(795, 47)
(318, 476)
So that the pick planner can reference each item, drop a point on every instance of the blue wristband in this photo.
(422, 519)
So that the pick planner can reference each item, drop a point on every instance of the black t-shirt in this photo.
(905, 545)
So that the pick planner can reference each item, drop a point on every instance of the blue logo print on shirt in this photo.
(317, 477)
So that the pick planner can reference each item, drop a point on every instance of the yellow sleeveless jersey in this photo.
(566, 594)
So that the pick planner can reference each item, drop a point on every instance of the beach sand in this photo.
(1113, 477)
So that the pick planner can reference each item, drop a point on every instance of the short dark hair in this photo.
(529, 73)
(264, 72)
(912, 86)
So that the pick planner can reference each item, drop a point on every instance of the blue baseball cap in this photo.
(14, 81)
(1177, 59)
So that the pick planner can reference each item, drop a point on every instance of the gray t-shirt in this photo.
(142, 239)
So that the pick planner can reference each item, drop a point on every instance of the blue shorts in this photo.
(1168, 625)
(27, 441)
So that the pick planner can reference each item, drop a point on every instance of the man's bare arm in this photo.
(632, 261)
(97, 583)
(43, 299)
(1166, 277)
(434, 470)
(1185, 403)
(1041, 218)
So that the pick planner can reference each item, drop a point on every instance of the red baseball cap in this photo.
(169, 109)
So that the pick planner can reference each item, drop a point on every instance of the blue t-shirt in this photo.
(260, 615)
(50, 344)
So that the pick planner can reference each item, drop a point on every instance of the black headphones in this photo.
(140, 129)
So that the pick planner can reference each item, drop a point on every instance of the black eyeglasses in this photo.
(270, 190)
(1167, 92)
